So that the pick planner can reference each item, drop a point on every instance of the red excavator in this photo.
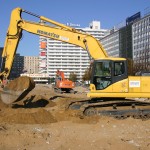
(63, 85)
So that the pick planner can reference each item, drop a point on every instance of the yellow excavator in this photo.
(109, 79)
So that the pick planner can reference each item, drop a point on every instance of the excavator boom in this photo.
(54, 30)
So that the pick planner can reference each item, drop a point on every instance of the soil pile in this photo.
(17, 89)
(39, 116)
(28, 125)
(20, 84)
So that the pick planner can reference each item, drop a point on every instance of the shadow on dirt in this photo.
(31, 103)
(55, 97)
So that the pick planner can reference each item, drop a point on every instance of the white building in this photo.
(39, 78)
(66, 57)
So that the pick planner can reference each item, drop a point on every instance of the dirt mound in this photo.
(20, 84)
(17, 89)
(40, 116)
(29, 125)
(2, 105)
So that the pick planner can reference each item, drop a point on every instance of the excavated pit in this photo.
(17, 89)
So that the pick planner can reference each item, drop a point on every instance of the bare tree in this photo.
(73, 77)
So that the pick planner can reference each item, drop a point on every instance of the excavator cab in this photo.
(107, 72)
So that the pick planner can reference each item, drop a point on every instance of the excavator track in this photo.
(119, 108)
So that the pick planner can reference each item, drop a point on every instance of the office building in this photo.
(111, 43)
(141, 43)
(56, 55)
(17, 67)
(119, 43)
(131, 41)
(31, 64)
(1, 49)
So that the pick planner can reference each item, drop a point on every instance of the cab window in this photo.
(103, 69)
(119, 68)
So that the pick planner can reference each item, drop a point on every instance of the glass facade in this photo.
(141, 43)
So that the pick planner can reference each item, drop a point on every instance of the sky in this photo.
(108, 12)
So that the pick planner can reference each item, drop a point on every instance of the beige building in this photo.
(31, 64)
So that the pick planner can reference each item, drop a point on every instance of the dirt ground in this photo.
(41, 122)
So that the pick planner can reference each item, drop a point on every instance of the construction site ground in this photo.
(41, 122)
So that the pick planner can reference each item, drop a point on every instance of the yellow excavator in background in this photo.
(109, 75)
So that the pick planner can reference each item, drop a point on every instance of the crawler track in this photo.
(120, 108)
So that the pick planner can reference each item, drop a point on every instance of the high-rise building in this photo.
(131, 41)
(31, 64)
(111, 43)
(1, 49)
(56, 55)
(17, 67)
(141, 42)
(125, 41)
(119, 42)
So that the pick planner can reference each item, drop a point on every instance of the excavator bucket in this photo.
(17, 89)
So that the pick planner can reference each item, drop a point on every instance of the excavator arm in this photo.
(11, 43)
(53, 30)
(18, 88)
